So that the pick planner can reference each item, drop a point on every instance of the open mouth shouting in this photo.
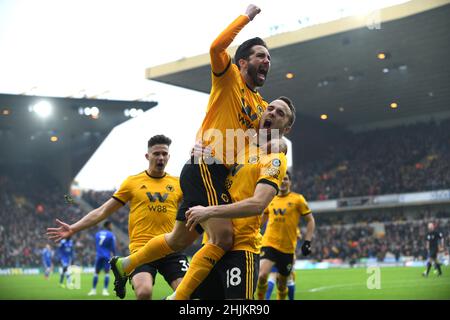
(267, 124)
(262, 73)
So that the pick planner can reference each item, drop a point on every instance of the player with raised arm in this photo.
(252, 182)
(234, 104)
(154, 197)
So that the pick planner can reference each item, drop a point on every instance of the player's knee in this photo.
(282, 282)
(143, 293)
(177, 242)
(263, 276)
(223, 239)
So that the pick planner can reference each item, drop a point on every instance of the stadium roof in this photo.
(337, 70)
(25, 138)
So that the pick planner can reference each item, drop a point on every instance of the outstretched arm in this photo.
(92, 218)
(253, 206)
(219, 56)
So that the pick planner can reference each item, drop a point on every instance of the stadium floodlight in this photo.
(43, 109)
(290, 75)
(95, 112)
(133, 112)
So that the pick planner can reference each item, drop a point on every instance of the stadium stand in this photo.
(30, 203)
(350, 237)
(396, 160)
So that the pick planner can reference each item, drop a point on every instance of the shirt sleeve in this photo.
(124, 193)
(272, 169)
(220, 59)
(304, 208)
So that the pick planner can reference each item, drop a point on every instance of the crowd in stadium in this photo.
(26, 212)
(25, 215)
(97, 198)
(398, 236)
(396, 160)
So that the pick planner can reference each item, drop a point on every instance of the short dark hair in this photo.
(291, 107)
(107, 224)
(159, 139)
(245, 49)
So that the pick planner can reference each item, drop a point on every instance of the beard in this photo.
(253, 73)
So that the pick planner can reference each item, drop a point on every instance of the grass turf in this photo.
(331, 284)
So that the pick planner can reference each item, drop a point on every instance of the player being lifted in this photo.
(149, 194)
(234, 104)
(280, 238)
(252, 182)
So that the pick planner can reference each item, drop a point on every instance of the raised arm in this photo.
(220, 59)
(92, 218)
(252, 206)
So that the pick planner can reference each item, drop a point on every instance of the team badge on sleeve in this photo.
(276, 162)
(273, 172)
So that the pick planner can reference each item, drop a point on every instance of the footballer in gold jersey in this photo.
(153, 197)
(234, 105)
(280, 237)
(252, 184)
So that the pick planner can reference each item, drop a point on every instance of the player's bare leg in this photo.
(158, 247)
(282, 289)
(220, 240)
(265, 267)
(143, 285)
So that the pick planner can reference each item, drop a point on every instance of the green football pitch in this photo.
(334, 284)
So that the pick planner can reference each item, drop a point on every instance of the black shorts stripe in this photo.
(207, 184)
(253, 277)
(206, 176)
(208, 173)
(249, 275)
(246, 274)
